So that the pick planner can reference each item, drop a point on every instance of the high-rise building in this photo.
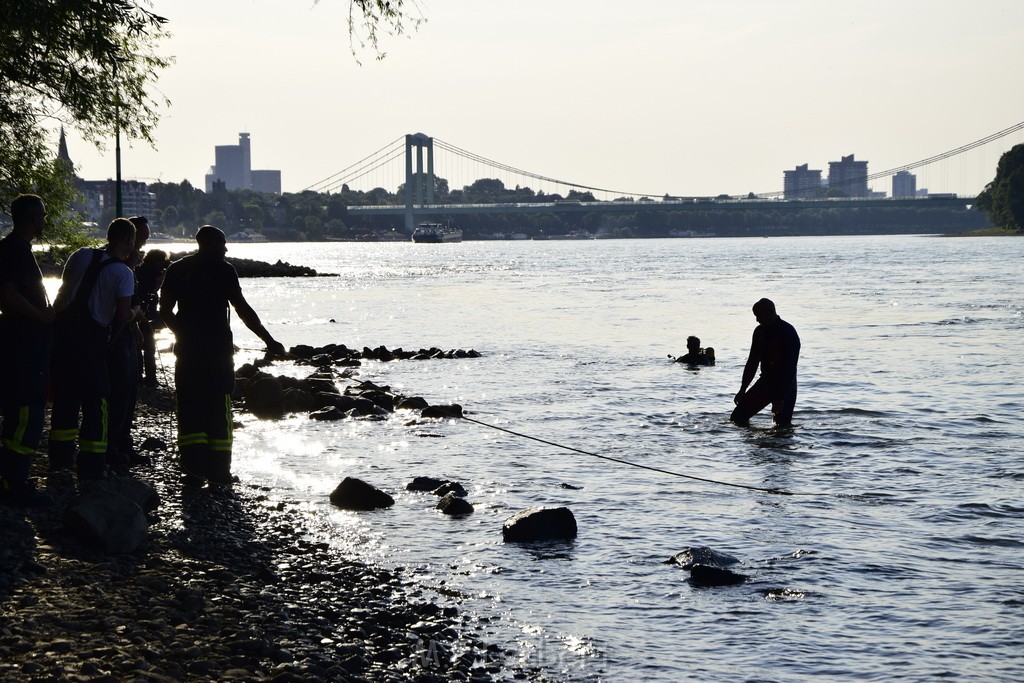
(904, 184)
(848, 177)
(801, 182)
(233, 166)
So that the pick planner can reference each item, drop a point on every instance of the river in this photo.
(904, 558)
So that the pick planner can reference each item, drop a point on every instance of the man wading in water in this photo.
(776, 348)
(201, 286)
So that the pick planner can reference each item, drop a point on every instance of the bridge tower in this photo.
(419, 186)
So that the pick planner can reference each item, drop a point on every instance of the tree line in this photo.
(315, 216)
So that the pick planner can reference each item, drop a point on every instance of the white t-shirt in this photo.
(114, 282)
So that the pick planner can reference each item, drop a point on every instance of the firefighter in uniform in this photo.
(95, 295)
(26, 319)
(194, 304)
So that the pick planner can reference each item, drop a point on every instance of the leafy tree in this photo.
(92, 65)
(77, 63)
(254, 215)
(1002, 200)
(216, 219)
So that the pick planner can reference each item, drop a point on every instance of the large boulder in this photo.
(264, 396)
(540, 524)
(316, 385)
(327, 414)
(412, 403)
(356, 494)
(298, 401)
(110, 515)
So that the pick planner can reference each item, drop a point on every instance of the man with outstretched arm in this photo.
(775, 346)
(194, 304)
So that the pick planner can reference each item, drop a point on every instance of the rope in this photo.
(775, 491)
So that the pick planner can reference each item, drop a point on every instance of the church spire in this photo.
(62, 152)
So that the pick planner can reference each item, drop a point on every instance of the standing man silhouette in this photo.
(26, 322)
(775, 346)
(201, 287)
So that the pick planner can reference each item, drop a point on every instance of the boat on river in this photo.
(436, 233)
(246, 236)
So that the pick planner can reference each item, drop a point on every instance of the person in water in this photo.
(775, 346)
(695, 355)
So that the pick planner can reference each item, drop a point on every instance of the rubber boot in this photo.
(194, 461)
(219, 470)
(92, 466)
(15, 488)
(61, 454)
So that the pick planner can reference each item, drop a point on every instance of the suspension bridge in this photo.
(423, 169)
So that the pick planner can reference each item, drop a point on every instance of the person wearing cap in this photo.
(195, 303)
(775, 346)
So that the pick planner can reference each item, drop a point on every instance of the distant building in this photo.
(101, 195)
(904, 184)
(136, 199)
(849, 177)
(233, 166)
(266, 181)
(801, 183)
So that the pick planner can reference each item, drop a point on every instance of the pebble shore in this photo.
(230, 586)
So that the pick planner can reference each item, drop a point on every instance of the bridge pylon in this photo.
(419, 186)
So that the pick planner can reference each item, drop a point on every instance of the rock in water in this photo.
(356, 494)
(702, 555)
(452, 505)
(540, 524)
(453, 410)
(707, 576)
(424, 484)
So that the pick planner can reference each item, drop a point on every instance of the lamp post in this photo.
(118, 205)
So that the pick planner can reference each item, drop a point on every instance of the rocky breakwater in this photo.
(269, 395)
(226, 585)
(52, 264)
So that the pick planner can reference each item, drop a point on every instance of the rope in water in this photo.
(775, 491)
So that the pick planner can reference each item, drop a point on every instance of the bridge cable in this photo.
(372, 165)
(774, 491)
(505, 167)
(356, 175)
(320, 182)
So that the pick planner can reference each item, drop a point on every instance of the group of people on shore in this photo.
(775, 349)
(83, 352)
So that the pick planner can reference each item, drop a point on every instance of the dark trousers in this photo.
(205, 420)
(782, 397)
(80, 385)
(148, 352)
(122, 368)
(24, 364)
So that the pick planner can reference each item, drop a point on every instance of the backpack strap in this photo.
(80, 303)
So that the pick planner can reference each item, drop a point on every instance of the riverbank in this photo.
(228, 586)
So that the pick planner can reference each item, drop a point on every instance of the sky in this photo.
(684, 97)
